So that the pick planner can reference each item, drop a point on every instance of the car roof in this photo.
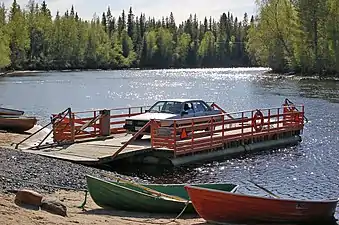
(180, 100)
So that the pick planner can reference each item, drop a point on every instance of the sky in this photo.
(181, 8)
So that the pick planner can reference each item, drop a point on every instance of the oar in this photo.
(264, 189)
(147, 189)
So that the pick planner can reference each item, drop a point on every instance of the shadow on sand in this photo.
(155, 218)
(27, 206)
(140, 215)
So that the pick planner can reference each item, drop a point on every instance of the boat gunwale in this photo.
(21, 117)
(264, 198)
(154, 196)
(138, 192)
(11, 111)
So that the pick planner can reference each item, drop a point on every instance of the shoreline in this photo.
(11, 213)
(66, 182)
(22, 72)
(269, 72)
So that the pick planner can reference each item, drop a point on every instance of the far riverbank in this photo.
(268, 72)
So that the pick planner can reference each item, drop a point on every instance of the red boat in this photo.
(225, 207)
(17, 124)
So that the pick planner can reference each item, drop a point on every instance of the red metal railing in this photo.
(183, 135)
(89, 124)
(209, 132)
(62, 126)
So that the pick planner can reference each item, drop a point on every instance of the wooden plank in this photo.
(68, 157)
(94, 150)
(132, 139)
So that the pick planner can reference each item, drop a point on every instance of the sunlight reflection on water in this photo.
(309, 170)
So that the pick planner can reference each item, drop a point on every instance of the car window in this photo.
(166, 107)
(206, 106)
(157, 107)
(188, 107)
(172, 107)
(199, 107)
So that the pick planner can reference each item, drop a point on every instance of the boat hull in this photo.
(6, 111)
(128, 197)
(17, 124)
(223, 207)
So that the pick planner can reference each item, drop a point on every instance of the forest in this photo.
(300, 36)
(296, 35)
(34, 40)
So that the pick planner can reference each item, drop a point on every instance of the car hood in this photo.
(156, 116)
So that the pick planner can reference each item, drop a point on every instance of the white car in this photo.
(169, 109)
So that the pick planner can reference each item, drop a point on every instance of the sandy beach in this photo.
(10, 213)
(20, 170)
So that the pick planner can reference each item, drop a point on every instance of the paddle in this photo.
(264, 189)
(147, 189)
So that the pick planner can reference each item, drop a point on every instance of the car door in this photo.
(188, 109)
(199, 109)
(207, 109)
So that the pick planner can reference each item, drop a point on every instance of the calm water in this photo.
(310, 170)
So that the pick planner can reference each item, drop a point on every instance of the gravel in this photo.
(26, 170)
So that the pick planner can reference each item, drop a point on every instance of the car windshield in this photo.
(166, 107)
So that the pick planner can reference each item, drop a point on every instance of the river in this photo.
(309, 170)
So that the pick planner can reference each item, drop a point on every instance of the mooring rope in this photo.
(82, 206)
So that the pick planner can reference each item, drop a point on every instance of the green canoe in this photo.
(132, 197)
